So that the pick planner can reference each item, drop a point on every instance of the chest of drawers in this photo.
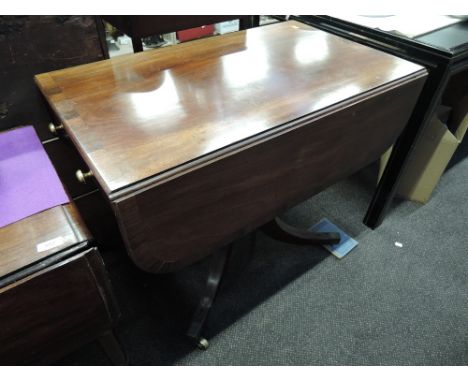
(54, 292)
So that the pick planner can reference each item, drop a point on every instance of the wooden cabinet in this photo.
(54, 292)
(197, 144)
(54, 311)
(35, 44)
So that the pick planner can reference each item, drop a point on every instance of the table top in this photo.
(138, 116)
(452, 38)
(31, 240)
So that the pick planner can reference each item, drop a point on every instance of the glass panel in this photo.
(443, 32)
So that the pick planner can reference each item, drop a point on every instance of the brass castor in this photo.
(202, 343)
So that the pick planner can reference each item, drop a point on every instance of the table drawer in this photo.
(66, 161)
(55, 310)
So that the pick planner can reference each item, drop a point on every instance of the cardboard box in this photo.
(431, 155)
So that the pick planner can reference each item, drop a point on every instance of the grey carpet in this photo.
(292, 305)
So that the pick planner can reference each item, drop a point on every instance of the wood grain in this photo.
(198, 144)
(55, 311)
(138, 116)
(36, 44)
(18, 241)
(169, 226)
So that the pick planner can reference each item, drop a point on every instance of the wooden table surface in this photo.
(19, 241)
(136, 117)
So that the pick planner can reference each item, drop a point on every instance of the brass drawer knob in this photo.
(55, 129)
(82, 176)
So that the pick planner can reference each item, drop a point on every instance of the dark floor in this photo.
(292, 305)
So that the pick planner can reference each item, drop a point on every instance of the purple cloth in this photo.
(28, 181)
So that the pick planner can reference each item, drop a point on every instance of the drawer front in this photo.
(55, 311)
(170, 225)
(67, 161)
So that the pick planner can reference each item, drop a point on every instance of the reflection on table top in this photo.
(136, 116)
